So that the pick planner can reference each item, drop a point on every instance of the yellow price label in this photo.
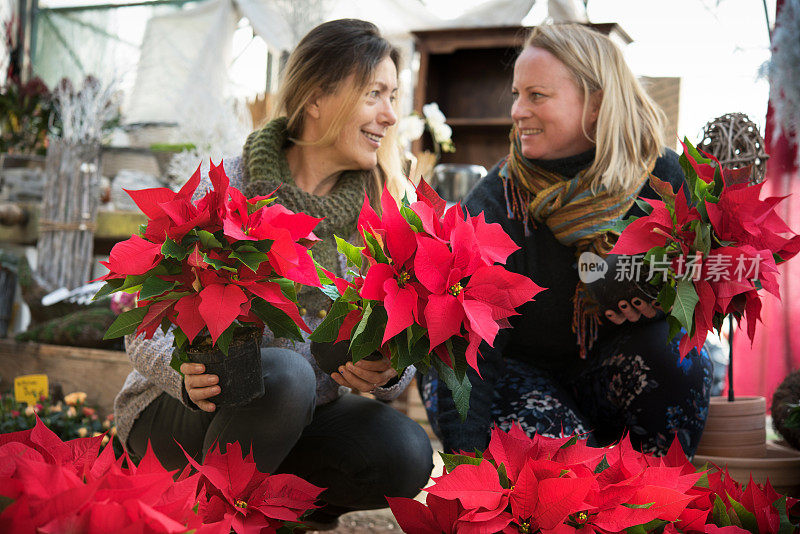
(30, 388)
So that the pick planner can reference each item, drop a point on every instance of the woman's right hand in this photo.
(200, 386)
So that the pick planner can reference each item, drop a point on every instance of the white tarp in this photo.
(520, 12)
(184, 56)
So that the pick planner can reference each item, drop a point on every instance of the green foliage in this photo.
(25, 111)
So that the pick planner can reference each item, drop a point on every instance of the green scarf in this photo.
(266, 168)
(576, 216)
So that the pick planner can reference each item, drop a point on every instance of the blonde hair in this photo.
(629, 132)
(322, 61)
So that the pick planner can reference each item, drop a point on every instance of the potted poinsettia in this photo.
(215, 272)
(427, 289)
(711, 249)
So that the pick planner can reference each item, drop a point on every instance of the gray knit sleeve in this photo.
(394, 391)
(151, 357)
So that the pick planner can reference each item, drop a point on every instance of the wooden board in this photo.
(99, 373)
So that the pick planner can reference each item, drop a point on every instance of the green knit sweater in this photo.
(266, 168)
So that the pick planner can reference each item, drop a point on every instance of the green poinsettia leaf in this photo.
(374, 248)
(171, 249)
(412, 218)
(786, 526)
(111, 286)
(251, 258)
(126, 323)
(368, 334)
(651, 526)
(224, 339)
(719, 514)
(503, 475)
(644, 206)
(208, 240)
(217, 264)
(457, 348)
(350, 251)
(746, 518)
(460, 388)
(685, 301)
(451, 461)
(281, 325)
(287, 288)
(328, 329)
(154, 286)
(602, 466)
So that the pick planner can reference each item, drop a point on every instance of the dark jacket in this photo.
(542, 334)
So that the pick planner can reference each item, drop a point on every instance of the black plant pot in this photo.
(240, 377)
(330, 356)
(608, 291)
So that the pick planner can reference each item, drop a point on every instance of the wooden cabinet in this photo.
(468, 72)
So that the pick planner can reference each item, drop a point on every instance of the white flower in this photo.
(441, 132)
(409, 129)
(433, 114)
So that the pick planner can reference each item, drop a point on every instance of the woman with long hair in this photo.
(593, 358)
(331, 141)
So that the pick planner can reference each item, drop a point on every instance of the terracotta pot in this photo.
(240, 376)
(780, 464)
(735, 429)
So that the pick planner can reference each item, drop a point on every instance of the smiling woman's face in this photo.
(548, 107)
(357, 145)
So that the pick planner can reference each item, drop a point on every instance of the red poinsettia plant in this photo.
(211, 267)
(561, 485)
(427, 288)
(47, 485)
(711, 248)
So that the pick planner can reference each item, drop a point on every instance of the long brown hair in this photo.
(323, 60)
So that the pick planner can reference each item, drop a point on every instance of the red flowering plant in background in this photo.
(427, 289)
(712, 252)
(212, 267)
(47, 485)
(560, 485)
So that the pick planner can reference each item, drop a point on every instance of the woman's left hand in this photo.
(365, 375)
(632, 311)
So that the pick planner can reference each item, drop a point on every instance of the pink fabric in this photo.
(759, 369)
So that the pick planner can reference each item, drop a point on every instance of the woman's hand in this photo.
(200, 386)
(632, 311)
(365, 375)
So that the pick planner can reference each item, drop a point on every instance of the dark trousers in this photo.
(360, 449)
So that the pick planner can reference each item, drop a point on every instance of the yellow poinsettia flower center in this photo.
(403, 278)
(456, 289)
(239, 503)
(582, 517)
(524, 527)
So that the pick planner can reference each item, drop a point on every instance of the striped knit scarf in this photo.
(576, 216)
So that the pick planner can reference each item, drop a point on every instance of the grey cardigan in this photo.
(152, 374)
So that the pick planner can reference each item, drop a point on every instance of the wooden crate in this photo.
(99, 373)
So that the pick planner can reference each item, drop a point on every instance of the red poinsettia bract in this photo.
(560, 485)
(733, 238)
(429, 281)
(212, 264)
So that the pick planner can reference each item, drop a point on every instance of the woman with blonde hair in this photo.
(329, 143)
(589, 356)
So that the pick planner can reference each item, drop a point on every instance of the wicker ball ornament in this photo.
(736, 142)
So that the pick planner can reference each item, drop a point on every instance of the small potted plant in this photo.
(215, 273)
(428, 287)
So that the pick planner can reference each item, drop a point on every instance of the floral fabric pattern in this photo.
(629, 384)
